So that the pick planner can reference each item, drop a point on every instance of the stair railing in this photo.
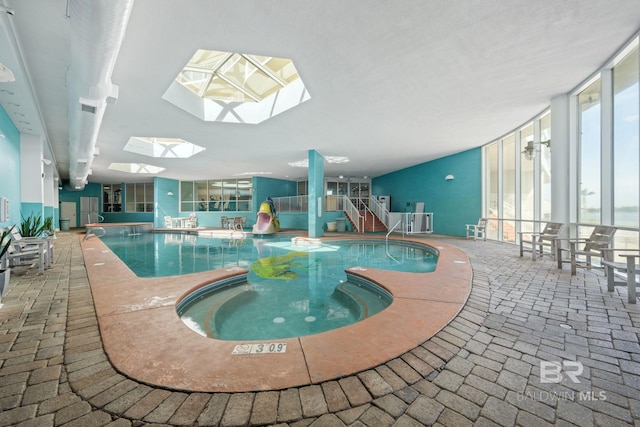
(380, 210)
(352, 212)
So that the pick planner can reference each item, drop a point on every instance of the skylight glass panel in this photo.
(235, 77)
(135, 168)
(162, 147)
(231, 87)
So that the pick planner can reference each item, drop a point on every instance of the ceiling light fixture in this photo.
(531, 148)
(6, 75)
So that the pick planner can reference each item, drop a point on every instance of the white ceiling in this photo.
(392, 83)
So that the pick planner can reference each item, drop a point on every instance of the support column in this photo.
(316, 194)
(31, 176)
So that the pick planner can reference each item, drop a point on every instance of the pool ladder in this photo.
(387, 241)
(94, 232)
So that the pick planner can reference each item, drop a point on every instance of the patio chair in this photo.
(538, 241)
(18, 256)
(192, 221)
(168, 222)
(600, 238)
(43, 244)
(477, 230)
(622, 273)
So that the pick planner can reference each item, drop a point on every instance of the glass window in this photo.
(202, 195)
(216, 195)
(244, 194)
(626, 102)
(491, 177)
(139, 197)
(332, 188)
(589, 146)
(111, 201)
(545, 168)
(303, 188)
(509, 187)
(526, 176)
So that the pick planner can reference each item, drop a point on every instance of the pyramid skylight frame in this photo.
(236, 87)
(166, 148)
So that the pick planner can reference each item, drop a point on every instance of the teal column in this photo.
(316, 194)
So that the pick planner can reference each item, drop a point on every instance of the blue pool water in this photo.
(290, 289)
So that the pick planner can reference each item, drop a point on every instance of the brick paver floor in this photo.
(533, 346)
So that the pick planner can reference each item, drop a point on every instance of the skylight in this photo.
(236, 87)
(236, 77)
(162, 147)
(135, 168)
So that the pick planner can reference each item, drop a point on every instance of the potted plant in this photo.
(31, 226)
(47, 226)
(5, 271)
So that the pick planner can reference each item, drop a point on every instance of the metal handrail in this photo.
(394, 227)
(380, 211)
(353, 213)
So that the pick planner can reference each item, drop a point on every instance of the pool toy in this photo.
(267, 222)
(278, 266)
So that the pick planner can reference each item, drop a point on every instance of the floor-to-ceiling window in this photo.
(626, 154)
(589, 119)
(600, 140)
(545, 167)
(492, 189)
(509, 187)
(512, 192)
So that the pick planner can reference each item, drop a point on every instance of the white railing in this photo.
(380, 211)
(291, 203)
(352, 212)
(416, 223)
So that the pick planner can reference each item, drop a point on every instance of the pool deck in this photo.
(482, 369)
(145, 339)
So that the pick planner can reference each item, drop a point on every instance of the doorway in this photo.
(68, 210)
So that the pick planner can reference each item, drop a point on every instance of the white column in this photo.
(31, 169)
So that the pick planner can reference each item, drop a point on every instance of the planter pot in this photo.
(4, 280)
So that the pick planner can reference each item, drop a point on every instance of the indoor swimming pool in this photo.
(292, 288)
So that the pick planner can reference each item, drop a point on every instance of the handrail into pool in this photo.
(93, 232)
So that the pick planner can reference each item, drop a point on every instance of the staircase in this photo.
(371, 224)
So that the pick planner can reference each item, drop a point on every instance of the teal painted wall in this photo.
(165, 205)
(453, 203)
(36, 209)
(10, 182)
(271, 187)
(93, 189)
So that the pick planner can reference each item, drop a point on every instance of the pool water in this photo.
(290, 289)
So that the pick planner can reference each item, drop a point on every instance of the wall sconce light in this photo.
(169, 193)
(449, 177)
(531, 149)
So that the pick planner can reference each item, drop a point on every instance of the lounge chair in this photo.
(600, 238)
(477, 230)
(43, 244)
(622, 273)
(538, 241)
